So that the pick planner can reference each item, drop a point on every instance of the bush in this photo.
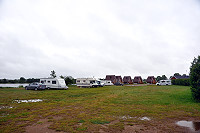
(195, 78)
(184, 82)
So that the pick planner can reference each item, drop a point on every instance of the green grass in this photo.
(93, 107)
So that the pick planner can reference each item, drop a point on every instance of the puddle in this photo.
(6, 107)
(140, 118)
(28, 101)
(144, 118)
(126, 117)
(194, 126)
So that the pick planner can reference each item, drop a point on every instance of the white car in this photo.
(164, 82)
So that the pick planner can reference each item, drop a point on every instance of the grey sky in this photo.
(98, 37)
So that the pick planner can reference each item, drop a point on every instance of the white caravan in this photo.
(164, 82)
(107, 82)
(54, 83)
(86, 82)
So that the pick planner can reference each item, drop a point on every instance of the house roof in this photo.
(137, 78)
(127, 78)
(182, 77)
(118, 77)
(150, 78)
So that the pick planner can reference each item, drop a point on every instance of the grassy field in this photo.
(106, 109)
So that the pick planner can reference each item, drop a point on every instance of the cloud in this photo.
(95, 38)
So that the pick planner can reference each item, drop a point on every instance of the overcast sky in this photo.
(86, 38)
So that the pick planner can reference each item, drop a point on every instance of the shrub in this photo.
(195, 78)
(184, 82)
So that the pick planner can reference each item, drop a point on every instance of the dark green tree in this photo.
(68, 79)
(5, 80)
(22, 80)
(161, 78)
(177, 74)
(164, 77)
(195, 78)
(158, 78)
(53, 74)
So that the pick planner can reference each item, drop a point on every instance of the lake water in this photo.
(13, 85)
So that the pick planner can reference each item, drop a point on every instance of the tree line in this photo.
(68, 79)
(20, 80)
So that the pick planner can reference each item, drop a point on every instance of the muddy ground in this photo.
(151, 126)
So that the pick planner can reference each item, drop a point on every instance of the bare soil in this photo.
(165, 126)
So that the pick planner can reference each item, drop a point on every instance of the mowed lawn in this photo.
(104, 109)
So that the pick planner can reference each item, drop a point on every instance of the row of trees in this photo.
(20, 80)
(68, 79)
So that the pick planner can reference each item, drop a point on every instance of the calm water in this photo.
(13, 85)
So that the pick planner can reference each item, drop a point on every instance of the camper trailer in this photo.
(54, 83)
(87, 82)
(107, 82)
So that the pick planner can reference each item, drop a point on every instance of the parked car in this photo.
(100, 83)
(164, 82)
(35, 86)
(118, 84)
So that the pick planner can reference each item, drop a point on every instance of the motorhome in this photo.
(164, 82)
(87, 82)
(107, 82)
(54, 83)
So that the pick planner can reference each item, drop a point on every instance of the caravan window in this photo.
(92, 81)
(78, 80)
(83, 80)
(53, 82)
(48, 81)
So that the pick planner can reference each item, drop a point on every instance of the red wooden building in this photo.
(127, 80)
(119, 79)
(138, 80)
(112, 78)
(151, 80)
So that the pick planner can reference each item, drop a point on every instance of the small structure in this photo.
(138, 80)
(127, 80)
(184, 76)
(119, 79)
(112, 78)
(151, 80)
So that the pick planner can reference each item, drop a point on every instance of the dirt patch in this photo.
(164, 126)
(40, 127)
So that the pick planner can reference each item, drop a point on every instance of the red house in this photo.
(119, 79)
(151, 80)
(112, 78)
(127, 80)
(138, 80)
